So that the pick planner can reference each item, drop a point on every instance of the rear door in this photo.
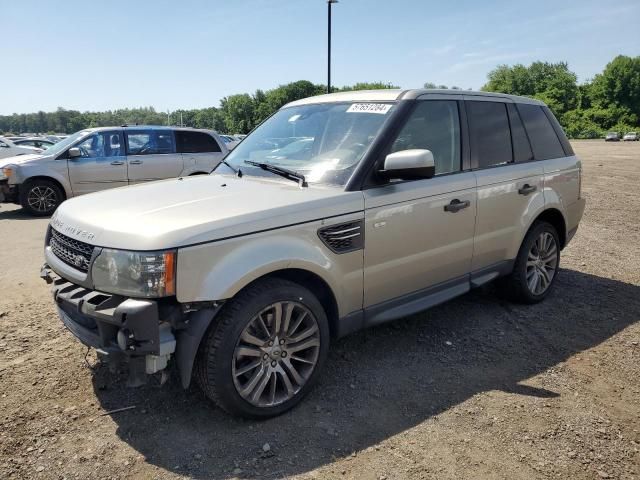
(510, 183)
(200, 151)
(151, 155)
(102, 163)
(551, 147)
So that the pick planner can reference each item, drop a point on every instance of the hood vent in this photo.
(344, 237)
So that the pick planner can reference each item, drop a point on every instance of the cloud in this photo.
(437, 51)
(474, 59)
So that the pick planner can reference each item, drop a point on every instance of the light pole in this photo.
(329, 2)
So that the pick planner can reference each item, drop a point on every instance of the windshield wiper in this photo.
(283, 172)
(237, 171)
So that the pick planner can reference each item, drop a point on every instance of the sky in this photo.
(191, 53)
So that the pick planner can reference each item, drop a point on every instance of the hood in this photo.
(20, 159)
(180, 212)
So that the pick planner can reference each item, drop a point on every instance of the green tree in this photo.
(552, 83)
(238, 113)
(619, 85)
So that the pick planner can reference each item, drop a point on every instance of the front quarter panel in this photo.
(44, 167)
(218, 270)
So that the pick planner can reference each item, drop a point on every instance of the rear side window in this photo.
(544, 141)
(196, 142)
(521, 148)
(489, 133)
(150, 142)
(434, 125)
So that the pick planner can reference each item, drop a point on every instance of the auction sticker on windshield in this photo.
(380, 108)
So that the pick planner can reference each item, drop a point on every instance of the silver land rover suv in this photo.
(339, 212)
(106, 157)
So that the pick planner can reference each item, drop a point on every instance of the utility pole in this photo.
(168, 118)
(329, 3)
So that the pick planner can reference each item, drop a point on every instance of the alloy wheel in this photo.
(276, 354)
(542, 263)
(42, 198)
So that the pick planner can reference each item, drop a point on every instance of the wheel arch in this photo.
(189, 341)
(557, 220)
(316, 285)
(35, 178)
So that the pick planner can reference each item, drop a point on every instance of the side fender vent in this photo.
(344, 237)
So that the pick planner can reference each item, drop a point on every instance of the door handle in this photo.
(117, 162)
(456, 205)
(135, 162)
(526, 189)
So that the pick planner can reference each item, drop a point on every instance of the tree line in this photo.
(608, 102)
(235, 114)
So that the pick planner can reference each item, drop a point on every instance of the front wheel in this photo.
(40, 197)
(265, 350)
(536, 266)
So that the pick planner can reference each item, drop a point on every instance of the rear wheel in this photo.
(41, 197)
(536, 266)
(265, 350)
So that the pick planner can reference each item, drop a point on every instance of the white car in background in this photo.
(229, 141)
(37, 142)
(10, 149)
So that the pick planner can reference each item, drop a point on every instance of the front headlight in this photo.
(8, 171)
(135, 274)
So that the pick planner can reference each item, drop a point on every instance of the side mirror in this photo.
(409, 165)
(74, 152)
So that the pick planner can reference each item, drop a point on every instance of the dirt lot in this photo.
(476, 388)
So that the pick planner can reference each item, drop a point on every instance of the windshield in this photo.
(62, 145)
(323, 142)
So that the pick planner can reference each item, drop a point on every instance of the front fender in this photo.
(219, 270)
(53, 169)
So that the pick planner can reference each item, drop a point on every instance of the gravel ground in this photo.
(475, 388)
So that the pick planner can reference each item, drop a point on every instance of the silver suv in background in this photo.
(399, 200)
(107, 157)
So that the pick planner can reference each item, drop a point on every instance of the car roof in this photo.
(40, 139)
(145, 127)
(392, 95)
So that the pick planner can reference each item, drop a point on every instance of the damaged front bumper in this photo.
(120, 329)
(8, 193)
(142, 333)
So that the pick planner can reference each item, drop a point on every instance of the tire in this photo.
(225, 373)
(41, 197)
(530, 266)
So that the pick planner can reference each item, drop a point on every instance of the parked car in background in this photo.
(631, 137)
(10, 149)
(612, 137)
(37, 142)
(100, 158)
(407, 198)
(229, 141)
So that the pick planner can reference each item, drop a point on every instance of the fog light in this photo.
(126, 340)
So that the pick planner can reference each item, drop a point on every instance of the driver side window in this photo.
(433, 125)
(92, 146)
(102, 144)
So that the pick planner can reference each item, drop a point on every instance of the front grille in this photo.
(343, 238)
(70, 251)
